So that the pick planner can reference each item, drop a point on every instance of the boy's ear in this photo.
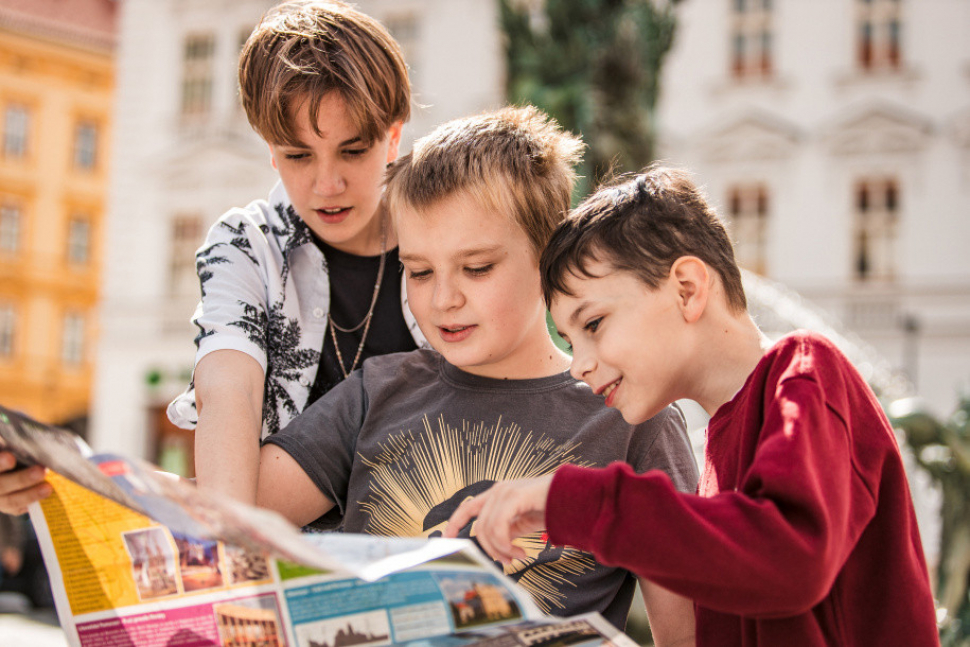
(394, 140)
(691, 279)
(272, 158)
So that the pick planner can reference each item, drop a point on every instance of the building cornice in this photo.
(56, 31)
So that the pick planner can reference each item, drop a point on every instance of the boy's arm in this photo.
(229, 397)
(773, 547)
(671, 616)
(306, 467)
(287, 489)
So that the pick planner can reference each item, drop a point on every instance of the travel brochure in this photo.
(141, 558)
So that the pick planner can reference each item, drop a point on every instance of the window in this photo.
(72, 341)
(85, 146)
(751, 38)
(876, 213)
(79, 240)
(9, 228)
(8, 329)
(186, 238)
(879, 30)
(197, 73)
(748, 208)
(16, 124)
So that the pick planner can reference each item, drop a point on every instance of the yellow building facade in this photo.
(56, 88)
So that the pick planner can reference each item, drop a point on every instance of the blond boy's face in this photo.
(334, 179)
(627, 339)
(473, 286)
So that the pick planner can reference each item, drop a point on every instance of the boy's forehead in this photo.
(454, 212)
(334, 119)
(584, 286)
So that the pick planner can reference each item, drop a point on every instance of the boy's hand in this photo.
(505, 512)
(20, 488)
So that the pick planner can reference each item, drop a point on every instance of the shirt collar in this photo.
(289, 229)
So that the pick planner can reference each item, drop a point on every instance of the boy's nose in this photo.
(581, 366)
(328, 181)
(447, 295)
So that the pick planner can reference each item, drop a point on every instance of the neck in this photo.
(534, 358)
(725, 365)
(378, 237)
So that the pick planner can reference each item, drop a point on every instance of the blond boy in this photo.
(400, 444)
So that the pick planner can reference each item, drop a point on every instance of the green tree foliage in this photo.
(942, 448)
(594, 65)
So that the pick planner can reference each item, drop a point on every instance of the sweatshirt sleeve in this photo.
(771, 548)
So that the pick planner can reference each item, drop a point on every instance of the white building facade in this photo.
(834, 135)
(184, 154)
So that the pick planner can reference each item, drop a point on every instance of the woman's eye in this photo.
(418, 275)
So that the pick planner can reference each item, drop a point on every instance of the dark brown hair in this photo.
(515, 161)
(305, 49)
(642, 224)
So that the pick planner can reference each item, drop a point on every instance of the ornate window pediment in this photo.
(879, 130)
(214, 161)
(751, 137)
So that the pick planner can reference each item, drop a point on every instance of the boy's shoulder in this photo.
(809, 355)
(420, 358)
(804, 353)
(403, 371)
(272, 219)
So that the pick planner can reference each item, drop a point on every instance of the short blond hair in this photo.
(516, 160)
(306, 49)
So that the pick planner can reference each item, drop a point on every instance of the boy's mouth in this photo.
(333, 214)
(455, 333)
(608, 391)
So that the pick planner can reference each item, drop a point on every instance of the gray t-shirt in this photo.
(405, 439)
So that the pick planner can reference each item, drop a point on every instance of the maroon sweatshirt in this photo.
(803, 530)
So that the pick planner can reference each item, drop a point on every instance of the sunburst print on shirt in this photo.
(420, 477)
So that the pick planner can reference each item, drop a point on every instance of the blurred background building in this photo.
(56, 97)
(834, 136)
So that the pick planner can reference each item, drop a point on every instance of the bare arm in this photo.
(229, 397)
(286, 488)
(671, 616)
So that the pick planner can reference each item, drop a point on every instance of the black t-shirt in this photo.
(352, 281)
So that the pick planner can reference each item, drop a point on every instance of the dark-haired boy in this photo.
(803, 532)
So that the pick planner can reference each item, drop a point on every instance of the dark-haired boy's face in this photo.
(627, 339)
(334, 178)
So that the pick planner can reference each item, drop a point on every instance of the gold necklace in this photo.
(365, 322)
